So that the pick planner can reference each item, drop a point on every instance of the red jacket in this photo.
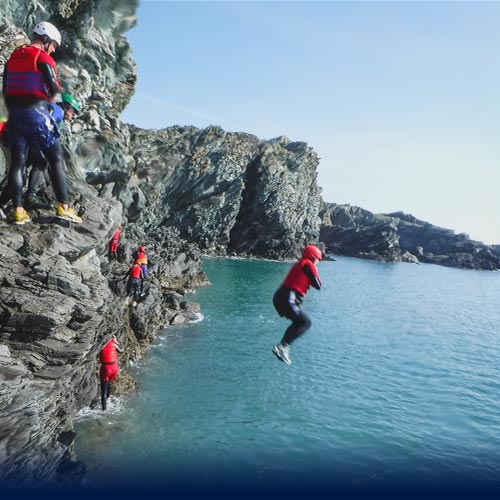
(299, 281)
(136, 271)
(108, 353)
(23, 78)
(113, 244)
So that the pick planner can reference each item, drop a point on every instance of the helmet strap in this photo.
(46, 42)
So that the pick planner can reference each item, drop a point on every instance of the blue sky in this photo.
(401, 100)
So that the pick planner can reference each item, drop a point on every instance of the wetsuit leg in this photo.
(129, 286)
(300, 323)
(285, 302)
(137, 289)
(56, 170)
(16, 173)
(105, 384)
(37, 174)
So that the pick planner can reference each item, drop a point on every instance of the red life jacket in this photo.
(142, 258)
(298, 280)
(108, 353)
(116, 235)
(23, 78)
(3, 126)
(135, 271)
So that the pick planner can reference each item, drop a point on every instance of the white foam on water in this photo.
(114, 407)
(200, 318)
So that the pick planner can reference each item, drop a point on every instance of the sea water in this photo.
(395, 385)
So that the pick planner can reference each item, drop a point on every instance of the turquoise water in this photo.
(395, 384)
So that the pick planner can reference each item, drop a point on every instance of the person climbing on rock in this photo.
(135, 281)
(109, 368)
(113, 244)
(289, 296)
(142, 258)
(30, 82)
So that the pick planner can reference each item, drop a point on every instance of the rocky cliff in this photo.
(227, 192)
(399, 237)
(179, 191)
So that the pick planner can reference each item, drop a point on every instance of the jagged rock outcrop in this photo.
(226, 192)
(397, 237)
(356, 232)
(437, 245)
(180, 191)
(60, 300)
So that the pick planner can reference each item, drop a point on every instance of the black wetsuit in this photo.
(38, 169)
(18, 152)
(287, 303)
(134, 285)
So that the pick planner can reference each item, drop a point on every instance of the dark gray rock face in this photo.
(228, 192)
(437, 245)
(180, 191)
(356, 232)
(60, 301)
(400, 237)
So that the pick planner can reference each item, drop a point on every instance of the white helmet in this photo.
(45, 28)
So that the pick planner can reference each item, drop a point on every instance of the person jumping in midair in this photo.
(289, 296)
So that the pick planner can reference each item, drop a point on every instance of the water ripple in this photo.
(396, 381)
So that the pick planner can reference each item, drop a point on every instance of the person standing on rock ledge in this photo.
(30, 82)
(64, 110)
(289, 296)
(109, 368)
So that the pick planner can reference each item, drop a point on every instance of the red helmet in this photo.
(312, 252)
(141, 249)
